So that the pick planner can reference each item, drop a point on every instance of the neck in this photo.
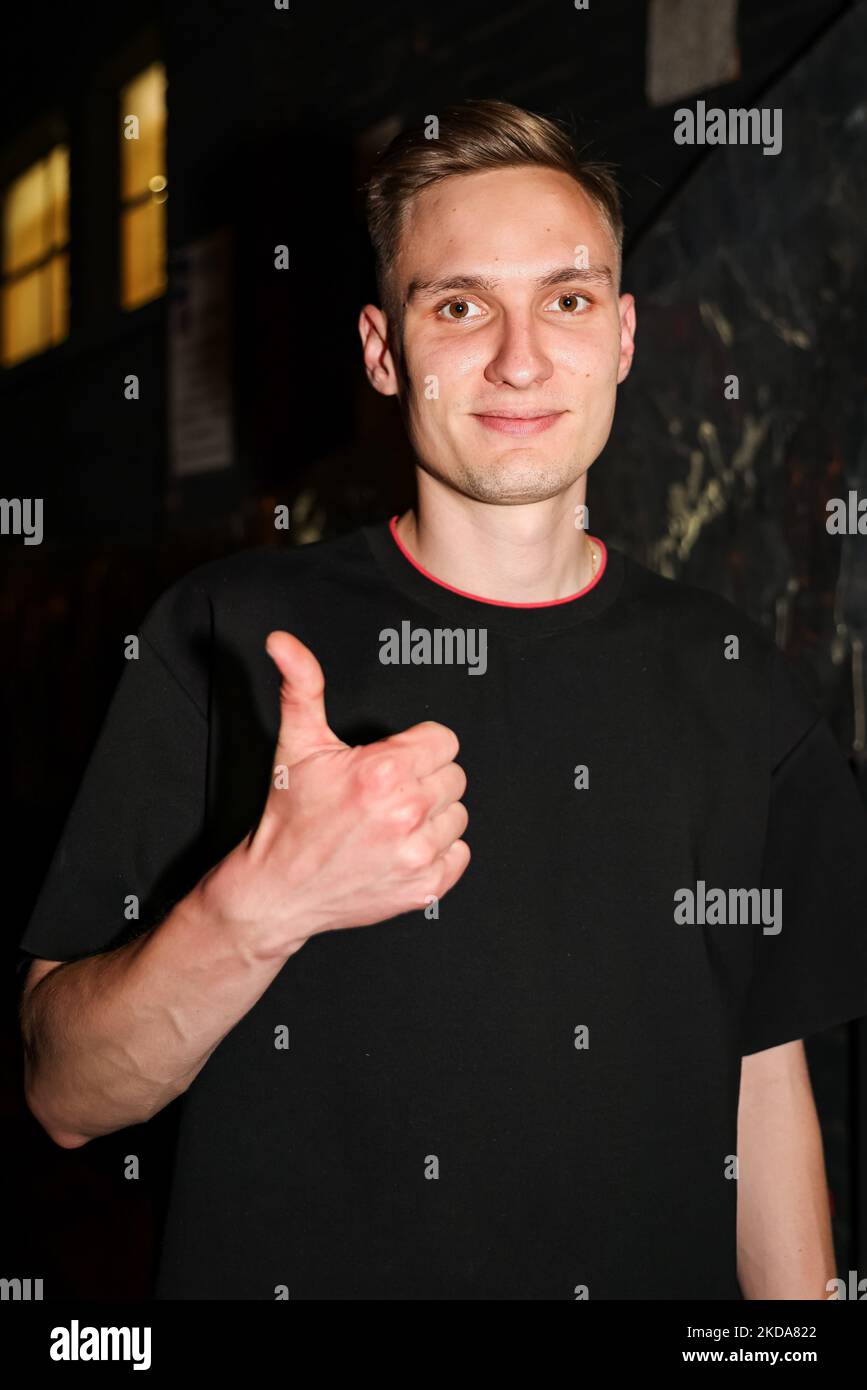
(523, 554)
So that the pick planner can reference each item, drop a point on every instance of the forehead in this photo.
(511, 219)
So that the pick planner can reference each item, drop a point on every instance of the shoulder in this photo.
(237, 592)
(249, 576)
(248, 569)
(694, 629)
(685, 614)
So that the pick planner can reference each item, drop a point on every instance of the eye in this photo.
(568, 302)
(465, 305)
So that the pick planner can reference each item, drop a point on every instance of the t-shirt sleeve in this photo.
(131, 843)
(812, 974)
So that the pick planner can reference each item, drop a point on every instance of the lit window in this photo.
(36, 258)
(143, 190)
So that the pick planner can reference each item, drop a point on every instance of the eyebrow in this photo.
(598, 275)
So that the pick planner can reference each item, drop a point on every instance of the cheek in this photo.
(590, 358)
(432, 404)
(443, 380)
(454, 366)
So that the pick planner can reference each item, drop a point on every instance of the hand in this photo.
(349, 836)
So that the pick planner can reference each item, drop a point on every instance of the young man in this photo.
(570, 1065)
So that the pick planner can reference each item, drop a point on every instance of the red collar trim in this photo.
(499, 603)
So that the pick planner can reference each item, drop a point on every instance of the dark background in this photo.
(741, 263)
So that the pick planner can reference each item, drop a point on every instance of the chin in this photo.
(516, 487)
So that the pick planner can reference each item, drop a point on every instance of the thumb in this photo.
(303, 724)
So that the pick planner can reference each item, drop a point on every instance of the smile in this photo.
(518, 424)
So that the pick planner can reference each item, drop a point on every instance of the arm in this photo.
(784, 1244)
(348, 837)
(110, 1040)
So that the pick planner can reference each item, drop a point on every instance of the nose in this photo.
(518, 359)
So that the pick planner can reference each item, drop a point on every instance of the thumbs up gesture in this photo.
(348, 836)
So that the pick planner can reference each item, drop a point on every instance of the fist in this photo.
(348, 836)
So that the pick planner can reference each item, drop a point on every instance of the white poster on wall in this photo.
(200, 356)
(691, 45)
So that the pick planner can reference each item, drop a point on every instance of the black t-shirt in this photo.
(535, 1091)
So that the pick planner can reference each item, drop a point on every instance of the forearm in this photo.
(785, 1248)
(356, 836)
(111, 1039)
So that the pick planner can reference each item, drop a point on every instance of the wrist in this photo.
(229, 898)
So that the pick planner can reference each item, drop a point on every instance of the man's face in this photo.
(502, 324)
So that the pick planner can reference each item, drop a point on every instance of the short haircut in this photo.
(474, 137)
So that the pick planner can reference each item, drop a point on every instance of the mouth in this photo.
(531, 423)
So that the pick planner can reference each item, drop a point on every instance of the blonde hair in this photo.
(474, 136)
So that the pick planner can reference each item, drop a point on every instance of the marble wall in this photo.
(754, 271)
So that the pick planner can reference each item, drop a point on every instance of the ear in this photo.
(627, 336)
(379, 363)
